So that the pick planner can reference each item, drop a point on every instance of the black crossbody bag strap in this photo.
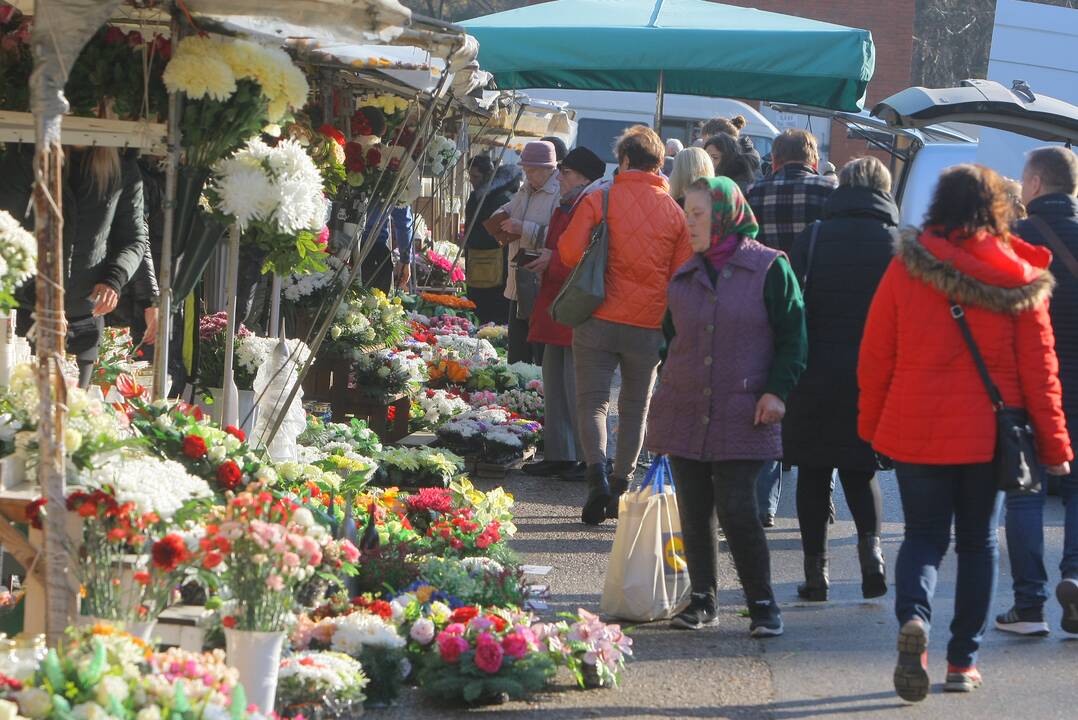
(993, 392)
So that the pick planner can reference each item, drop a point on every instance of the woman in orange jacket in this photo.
(648, 242)
(924, 404)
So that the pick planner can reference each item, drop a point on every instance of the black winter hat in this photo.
(585, 162)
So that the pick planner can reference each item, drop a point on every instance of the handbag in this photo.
(585, 289)
(647, 577)
(1015, 463)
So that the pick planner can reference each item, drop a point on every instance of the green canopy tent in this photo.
(689, 47)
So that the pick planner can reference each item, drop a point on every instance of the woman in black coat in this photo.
(486, 261)
(840, 271)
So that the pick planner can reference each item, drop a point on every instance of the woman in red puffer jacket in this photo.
(924, 404)
(561, 443)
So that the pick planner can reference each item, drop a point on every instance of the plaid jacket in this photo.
(788, 201)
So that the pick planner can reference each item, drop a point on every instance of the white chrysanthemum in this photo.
(18, 253)
(358, 630)
(244, 189)
(152, 484)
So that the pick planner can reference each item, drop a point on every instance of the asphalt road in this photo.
(834, 661)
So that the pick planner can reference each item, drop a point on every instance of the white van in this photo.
(602, 115)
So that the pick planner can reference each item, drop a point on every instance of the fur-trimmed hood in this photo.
(979, 270)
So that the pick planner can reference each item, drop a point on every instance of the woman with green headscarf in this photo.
(738, 350)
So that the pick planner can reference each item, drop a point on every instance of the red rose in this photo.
(500, 623)
(117, 534)
(353, 158)
(114, 36)
(162, 46)
(228, 621)
(464, 614)
(229, 475)
(134, 38)
(236, 433)
(374, 157)
(169, 552)
(333, 134)
(194, 447)
(142, 578)
(34, 513)
(381, 608)
(212, 560)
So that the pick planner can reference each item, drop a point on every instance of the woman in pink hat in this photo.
(529, 215)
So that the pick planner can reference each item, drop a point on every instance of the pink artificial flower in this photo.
(515, 645)
(454, 629)
(450, 647)
(488, 654)
(349, 551)
(323, 236)
(275, 582)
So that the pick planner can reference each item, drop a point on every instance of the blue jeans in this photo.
(1025, 542)
(934, 496)
(768, 488)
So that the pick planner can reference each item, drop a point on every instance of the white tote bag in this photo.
(647, 578)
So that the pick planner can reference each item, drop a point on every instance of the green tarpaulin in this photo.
(702, 48)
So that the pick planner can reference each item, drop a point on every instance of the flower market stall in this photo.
(323, 556)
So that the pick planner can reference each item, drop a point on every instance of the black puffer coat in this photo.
(853, 249)
(105, 236)
(1060, 211)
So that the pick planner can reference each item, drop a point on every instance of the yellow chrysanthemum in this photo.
(282, 82)
(198, 71)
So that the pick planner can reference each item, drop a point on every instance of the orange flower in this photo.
(449, 301)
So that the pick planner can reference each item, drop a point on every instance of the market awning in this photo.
(701, 48)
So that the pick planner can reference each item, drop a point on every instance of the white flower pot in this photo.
(247, 414)
(257, 657)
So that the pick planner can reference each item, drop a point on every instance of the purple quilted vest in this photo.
(718, 363)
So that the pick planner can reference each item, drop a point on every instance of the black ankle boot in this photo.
(873, 569)
(617, 489)
(816, 580)
(594, 511)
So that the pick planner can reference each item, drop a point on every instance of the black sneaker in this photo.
(766, 620)
(1029, 622)
(1067, 594)
(701, 613)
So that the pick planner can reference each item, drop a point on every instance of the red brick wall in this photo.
(891, 25)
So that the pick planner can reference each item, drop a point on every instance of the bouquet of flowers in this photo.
(375, 642)
(268, 547)
(367, 320)
(16, 62)
(452, 325)
(525, 403)
(593, 651)
(116, 355)
(311, 287)
(385, 373)
(442, 154)
(353, 469)
(438, 270)
(234, 88)
(433, 407)
(355, 434)
(114, 71)
(457, 533)
(18, 259)
(487, 507)
(274, 194)
(496, 335)
(326, 148)
(477, 662)
(206, 677)
(417, 467)
(250, 352)
(478, 580)
(320, 684)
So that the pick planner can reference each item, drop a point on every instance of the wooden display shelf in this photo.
(18, 127)
(373, 410)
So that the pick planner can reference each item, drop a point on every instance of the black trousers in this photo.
(862, 492)
(724, 492)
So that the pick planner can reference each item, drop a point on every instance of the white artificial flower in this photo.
(34, 702)
(422, 631)
(152, 484)
(354, 632)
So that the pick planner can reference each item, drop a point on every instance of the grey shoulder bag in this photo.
(585, 290)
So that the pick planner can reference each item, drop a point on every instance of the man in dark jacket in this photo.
(104, 237)
(792, 198)
(1049, 189)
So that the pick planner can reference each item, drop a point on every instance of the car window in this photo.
(599, 136)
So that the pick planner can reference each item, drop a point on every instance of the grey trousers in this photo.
(561, 442)
(600, 348)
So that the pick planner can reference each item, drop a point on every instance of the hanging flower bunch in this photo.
(388, 104)
(274, 194)
(18, 259)
(326, 148)
(116, 71)
(16, 60)
(440, 269)
(442, 153)
(250, 352)
(367, 320)
(234, 89)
